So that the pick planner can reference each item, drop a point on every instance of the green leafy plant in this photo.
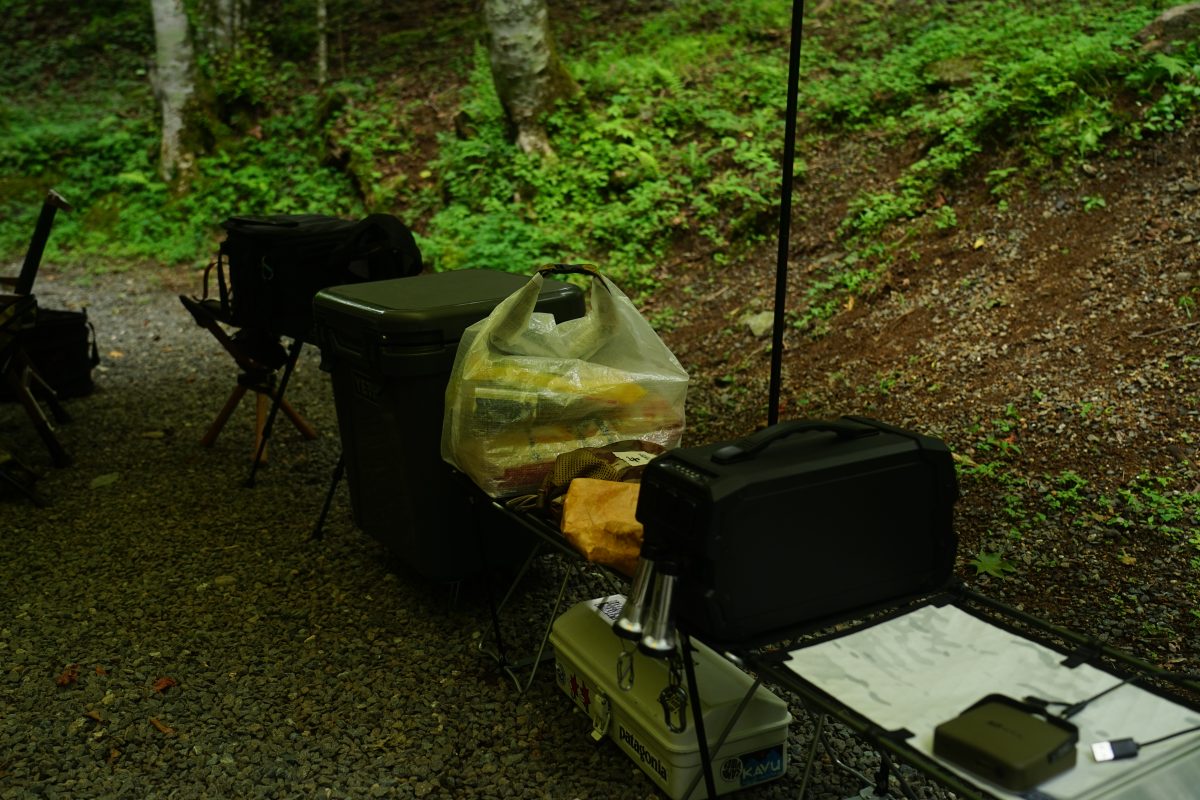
(677, 133)
(944, 218)
(962, 86)
(650, 153)
(1187, 303)
(991, 563)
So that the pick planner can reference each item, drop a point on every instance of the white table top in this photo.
(927, 666)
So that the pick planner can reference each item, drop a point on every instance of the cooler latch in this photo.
(625, 670)
(601, 714)
(673, 698)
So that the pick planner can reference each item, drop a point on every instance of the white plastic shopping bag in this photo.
(524, 389)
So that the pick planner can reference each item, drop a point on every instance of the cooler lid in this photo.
(434, 307)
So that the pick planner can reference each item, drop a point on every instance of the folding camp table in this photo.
(548, 539)
(892, 679)
(545, 539)
(896, 674)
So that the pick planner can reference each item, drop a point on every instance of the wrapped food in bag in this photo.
(524, 389)
(600, 521)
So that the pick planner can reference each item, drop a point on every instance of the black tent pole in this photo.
(785, 210)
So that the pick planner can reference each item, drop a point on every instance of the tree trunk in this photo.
(219, 25)
(322, 44)
(227, 25)
(174, 84)
(526, 69)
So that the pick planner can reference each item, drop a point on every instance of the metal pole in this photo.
(689, 667)
(785, 210)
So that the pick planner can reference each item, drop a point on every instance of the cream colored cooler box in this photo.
(586, 653)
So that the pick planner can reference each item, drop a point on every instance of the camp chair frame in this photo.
(18, 315)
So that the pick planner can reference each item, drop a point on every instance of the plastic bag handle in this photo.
(517, 314)
(756, 443)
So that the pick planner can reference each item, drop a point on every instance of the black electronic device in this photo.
(1010, 743)
(803, 521)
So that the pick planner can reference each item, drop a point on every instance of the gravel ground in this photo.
(169, 632)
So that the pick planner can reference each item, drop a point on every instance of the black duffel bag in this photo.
(269, 268)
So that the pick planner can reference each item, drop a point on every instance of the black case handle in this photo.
(754, 444)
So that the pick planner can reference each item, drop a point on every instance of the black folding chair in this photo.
(18, 315)
(259, 356)
(308, 252)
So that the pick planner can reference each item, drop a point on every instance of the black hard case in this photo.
(389, 347)
(802, 522)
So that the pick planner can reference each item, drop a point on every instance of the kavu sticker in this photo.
(759, 766)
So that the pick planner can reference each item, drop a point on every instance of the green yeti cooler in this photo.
(389, 346)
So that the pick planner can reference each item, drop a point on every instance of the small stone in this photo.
(760, 324)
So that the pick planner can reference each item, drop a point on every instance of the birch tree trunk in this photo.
(526, 69)
(226, 24)
(221, 24)
(322, 44)
(174, 84)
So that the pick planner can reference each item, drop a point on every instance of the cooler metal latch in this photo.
(673, 698)
(625, 670)
(601, 713)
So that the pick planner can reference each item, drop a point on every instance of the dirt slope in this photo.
(1053, 347)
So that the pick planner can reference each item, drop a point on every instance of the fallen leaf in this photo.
(101, 670)
(94, 715)
(979, 243)
(1128, 560)
(113, 755)
(106, 479)
(164, 683)
(115, 354)
(162, 727)
(69, 675)
(965, 460)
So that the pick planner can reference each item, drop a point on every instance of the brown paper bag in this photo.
(598, 519)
